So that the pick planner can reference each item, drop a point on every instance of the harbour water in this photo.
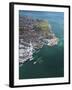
(48, 61)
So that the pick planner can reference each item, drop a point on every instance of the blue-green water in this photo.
(49, 60)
